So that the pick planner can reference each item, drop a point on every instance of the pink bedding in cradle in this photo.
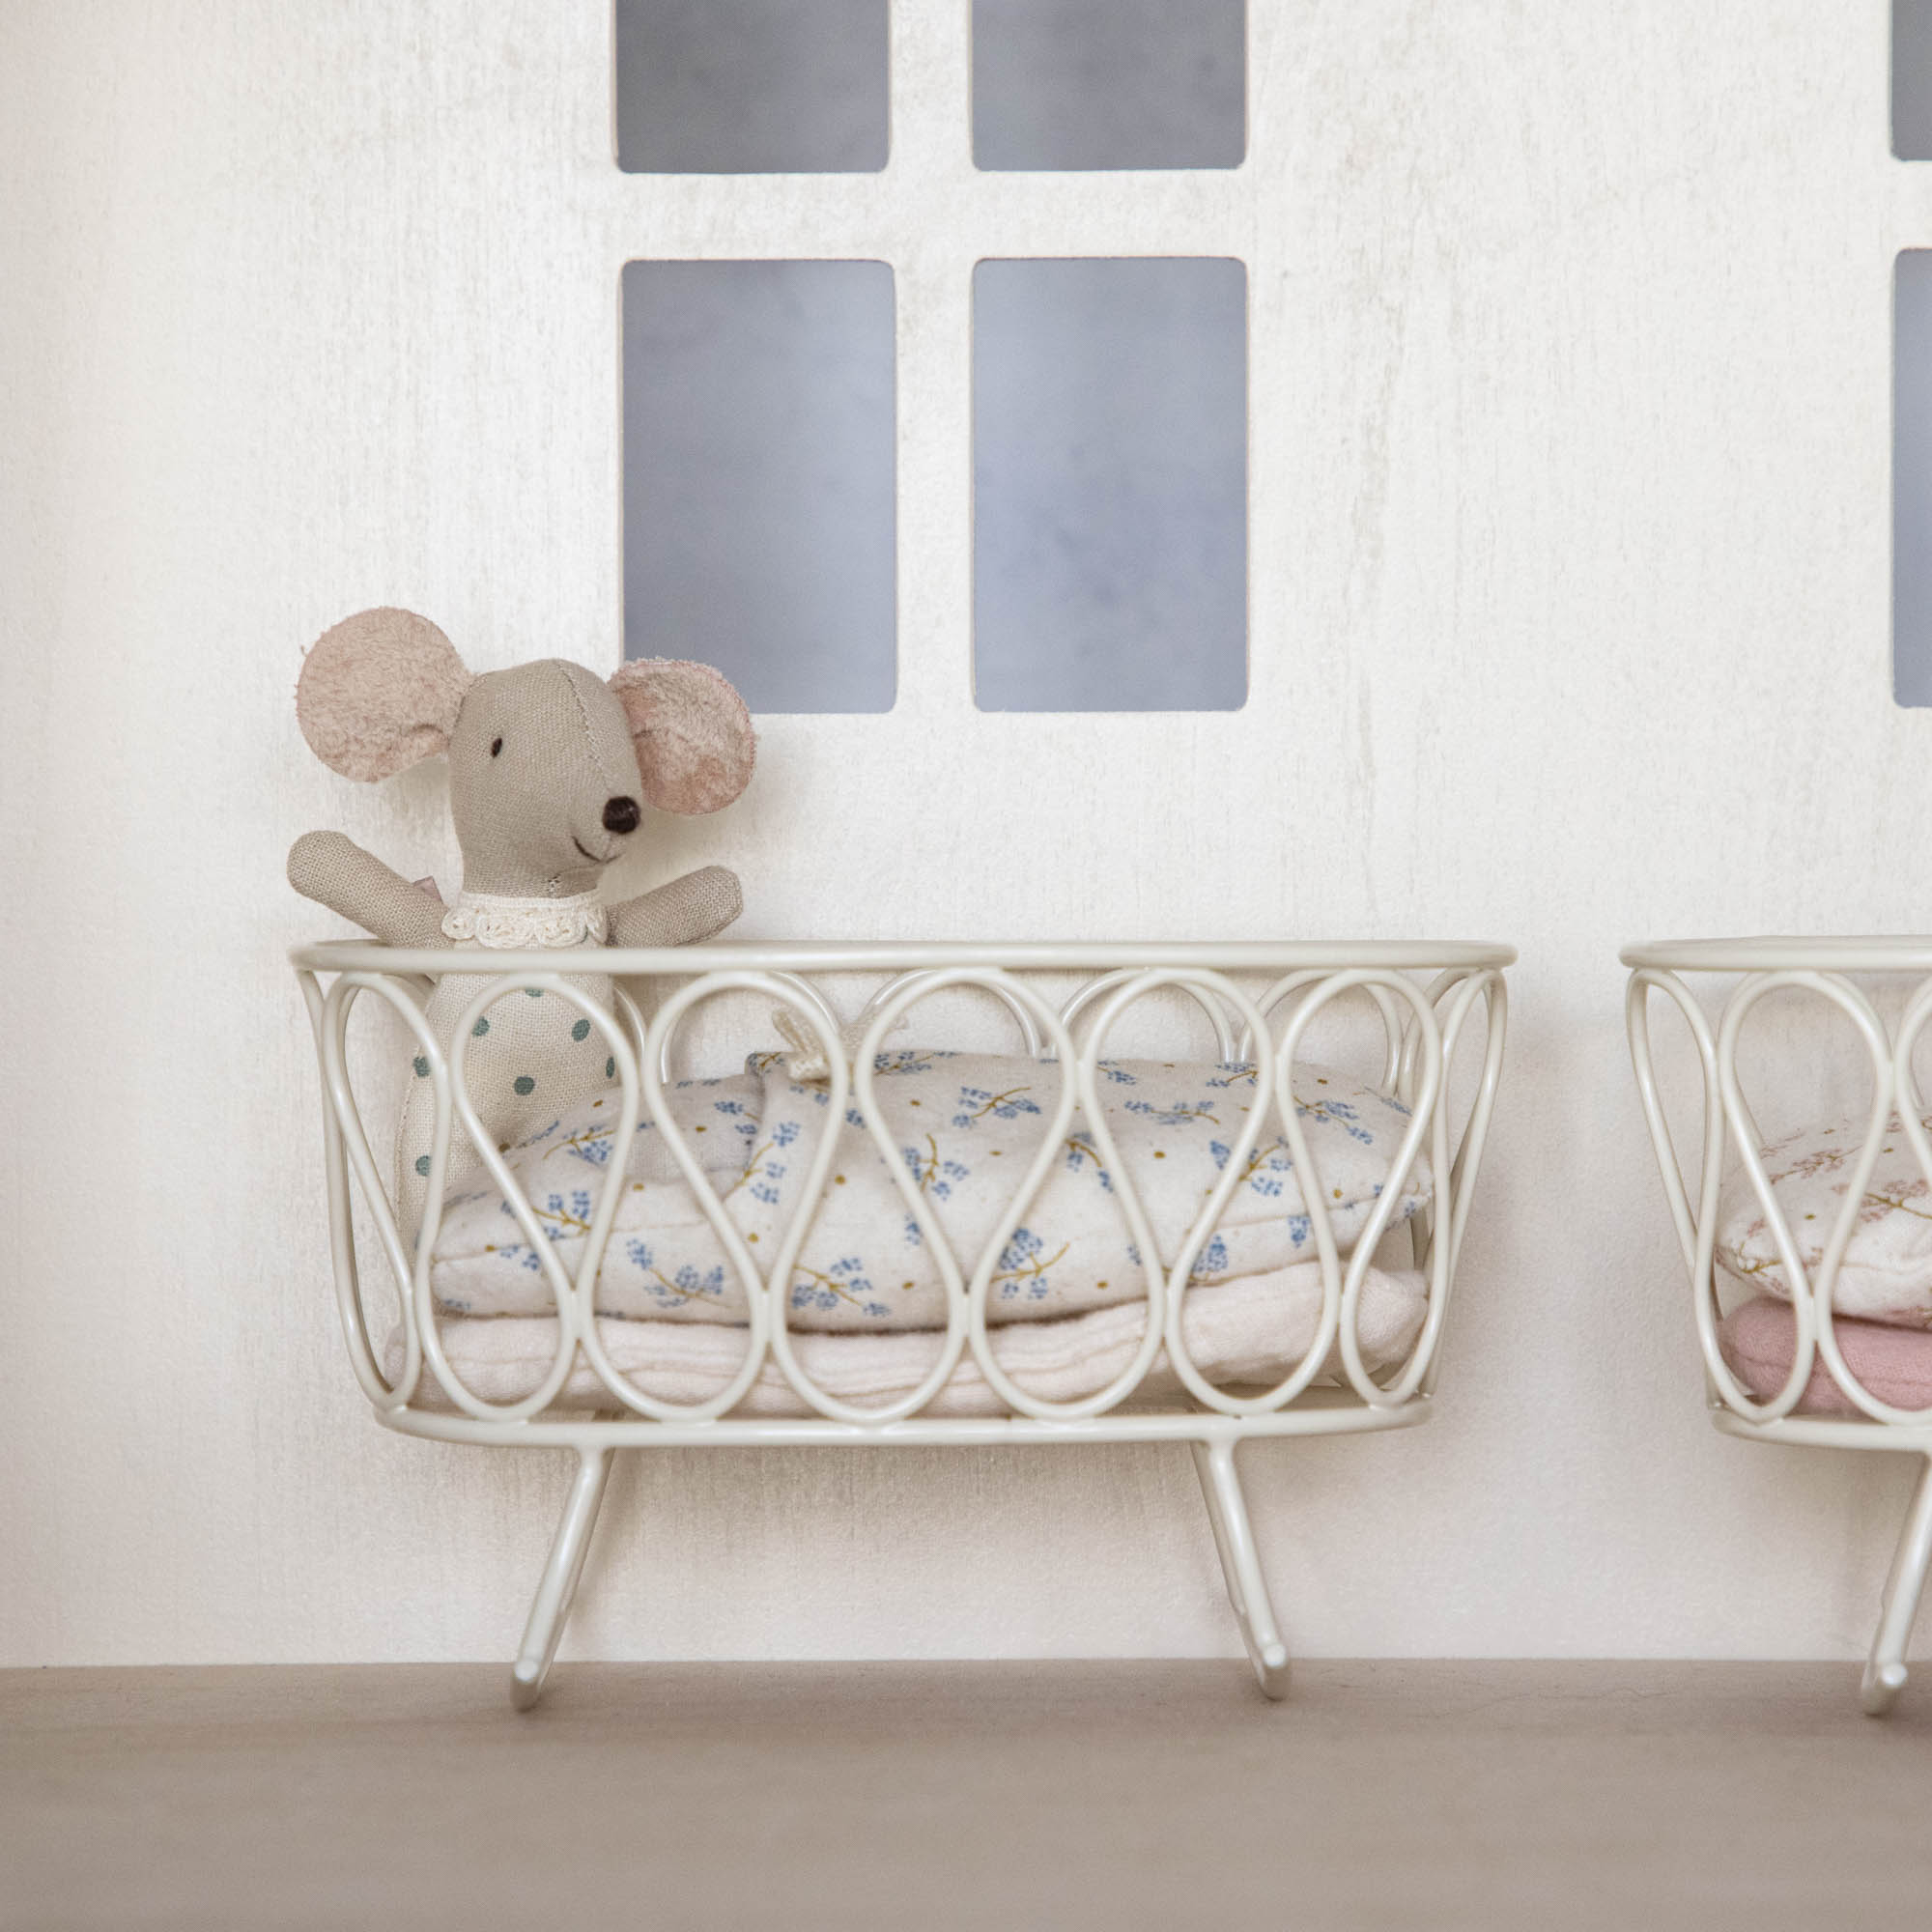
(1759, 1340)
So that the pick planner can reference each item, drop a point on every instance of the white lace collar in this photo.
(517, 925)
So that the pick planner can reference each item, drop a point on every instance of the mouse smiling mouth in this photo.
(595, 858)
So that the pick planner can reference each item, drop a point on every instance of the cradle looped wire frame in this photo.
(1068, 1004)
(1822, 968)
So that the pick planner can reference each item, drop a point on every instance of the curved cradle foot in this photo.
(1880, 1687)
(567, 1551)
(1241, 1564)
(526, 1683)
(1884, 1669)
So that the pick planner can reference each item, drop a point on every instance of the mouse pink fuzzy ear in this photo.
(378, 692)
(693, 735)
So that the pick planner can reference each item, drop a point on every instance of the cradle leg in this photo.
(567, 1551)
(1241, 1566)
(1884, 1668)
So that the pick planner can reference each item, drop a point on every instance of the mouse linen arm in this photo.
(693, 907)
(336, 871)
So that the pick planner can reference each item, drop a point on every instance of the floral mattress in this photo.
(965, 1128)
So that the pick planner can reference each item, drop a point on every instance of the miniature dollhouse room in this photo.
(968, 962)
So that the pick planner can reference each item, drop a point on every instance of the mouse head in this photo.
(549, 766)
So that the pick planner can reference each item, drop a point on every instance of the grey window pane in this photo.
(1109, 84)
(1110, 485)
(1912, 79)
(758, 476)
(1912, 481)
(752, 86)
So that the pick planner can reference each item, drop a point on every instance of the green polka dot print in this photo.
(524, 1084)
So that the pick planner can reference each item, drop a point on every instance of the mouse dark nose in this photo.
(621, 814)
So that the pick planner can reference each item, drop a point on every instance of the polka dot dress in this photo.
(530, 1059)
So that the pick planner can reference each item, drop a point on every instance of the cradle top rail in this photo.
(839, 955)
(1763, 965)
(1771, 952)
(1424, 1027)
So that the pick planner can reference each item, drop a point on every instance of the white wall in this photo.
(1570, 576)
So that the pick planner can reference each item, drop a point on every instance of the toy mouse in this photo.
(549, 770)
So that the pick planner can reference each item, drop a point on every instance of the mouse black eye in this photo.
(495, 747)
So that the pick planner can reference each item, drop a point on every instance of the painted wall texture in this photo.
(1570, 335)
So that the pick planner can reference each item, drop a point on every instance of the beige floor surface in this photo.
(1049, 1795)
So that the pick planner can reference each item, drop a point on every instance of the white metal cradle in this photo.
(1823, 968)
(1259, 1001)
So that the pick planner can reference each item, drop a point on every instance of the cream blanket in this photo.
(1248, 1331)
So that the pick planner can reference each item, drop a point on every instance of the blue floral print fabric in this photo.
(965, 1128)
